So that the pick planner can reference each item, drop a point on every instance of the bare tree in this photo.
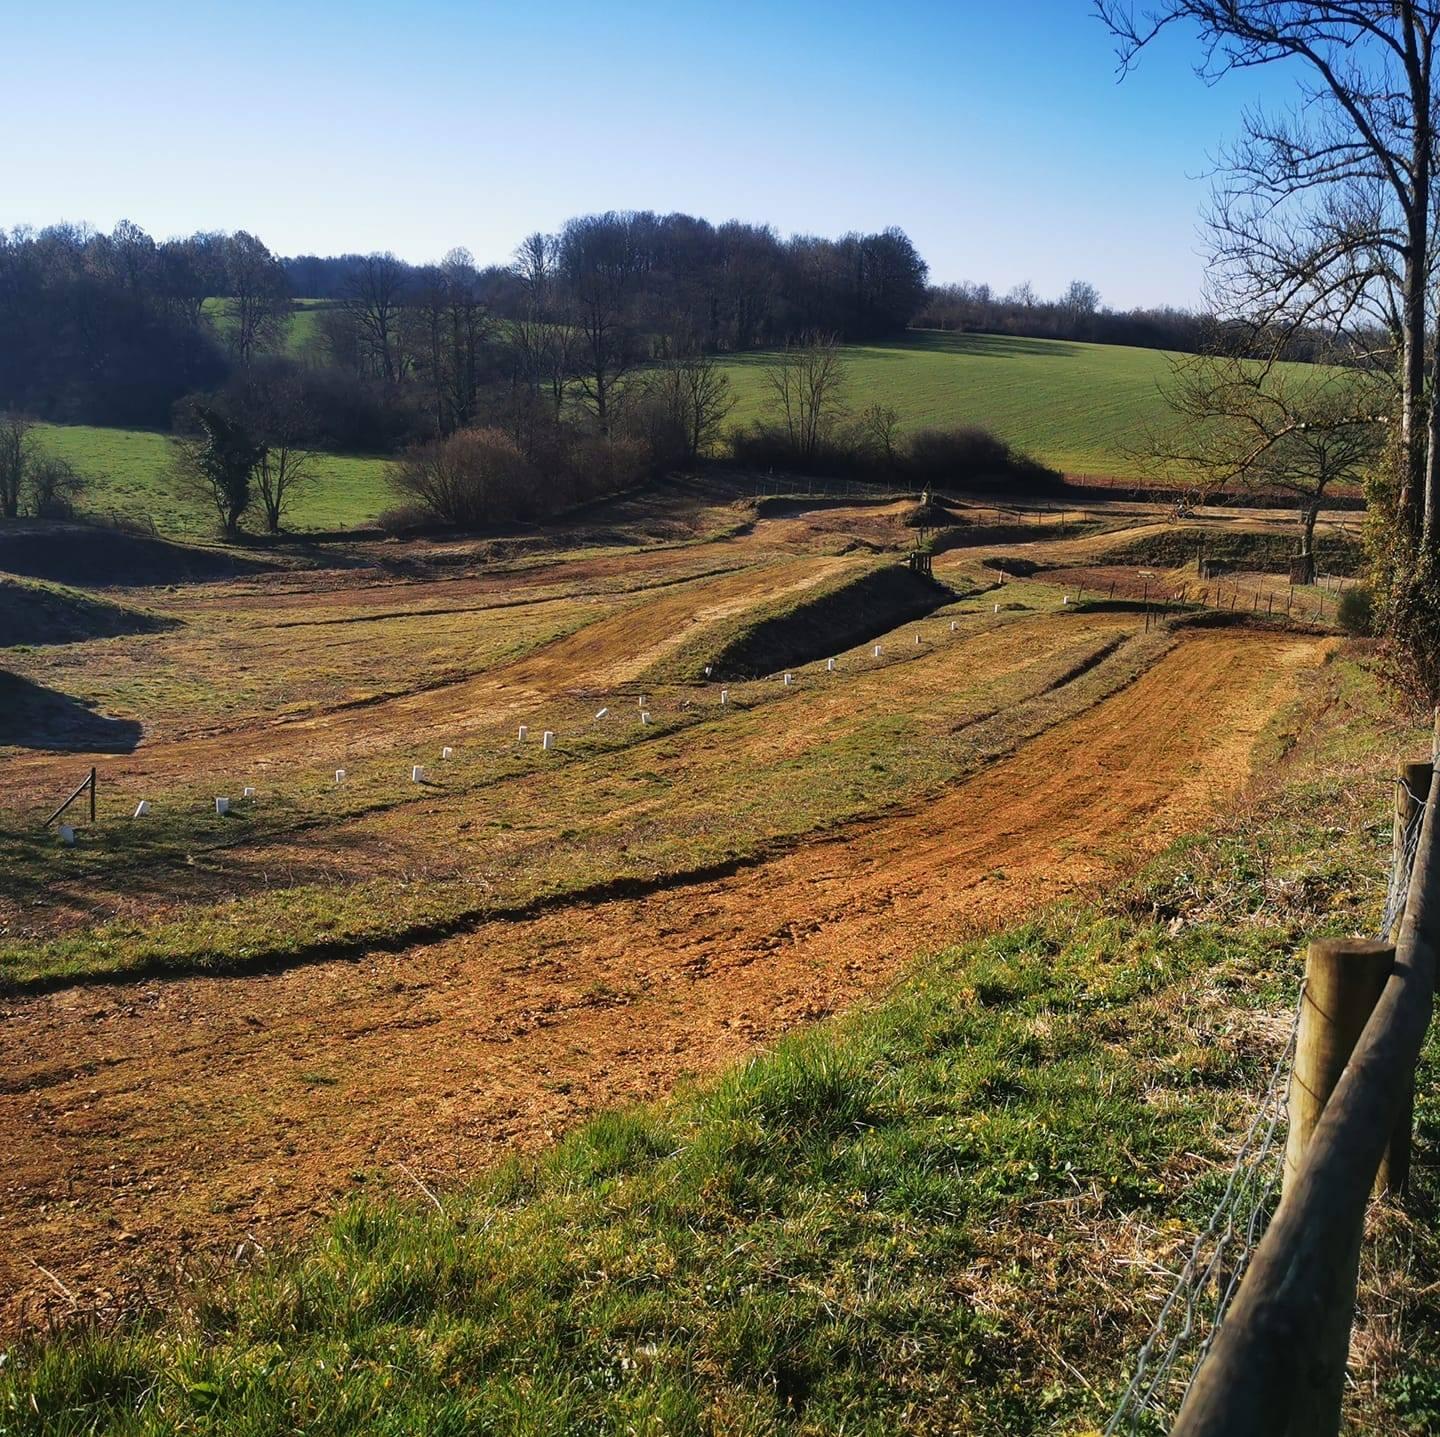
(1326, 216)
(807, 385)
(694, 394)
(880, 429)
(542, 343)
(259, 298)
(598, 265)
(272, 409)
(1297, 429)
(374, 303)
(52, 486)
(17, 452)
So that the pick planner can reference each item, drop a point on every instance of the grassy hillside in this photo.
(1079, 407)
(129, 470)
(1076, 406)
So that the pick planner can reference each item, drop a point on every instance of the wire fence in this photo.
(1189, 1318)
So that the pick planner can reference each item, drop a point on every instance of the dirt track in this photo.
(209, 1109)
(604, 654)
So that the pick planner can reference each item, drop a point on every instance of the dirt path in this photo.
(145, 1122)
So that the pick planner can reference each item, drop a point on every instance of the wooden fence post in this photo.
(92, 795)
(1412, 785)
(1343, 979)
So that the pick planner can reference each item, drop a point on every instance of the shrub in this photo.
(473, 478)
(407, 519)
(1356, 613)
(930, 459)
(52, 487)
(951, 456)
(597, 465)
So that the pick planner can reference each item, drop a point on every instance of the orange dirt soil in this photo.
(145, 1123)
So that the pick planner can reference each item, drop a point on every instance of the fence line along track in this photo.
(1189, 1320)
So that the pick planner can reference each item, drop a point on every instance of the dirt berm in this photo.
(812, 624)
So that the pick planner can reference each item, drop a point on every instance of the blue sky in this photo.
(994, 133)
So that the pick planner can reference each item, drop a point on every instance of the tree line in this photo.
(116, 328)
(1076, 314)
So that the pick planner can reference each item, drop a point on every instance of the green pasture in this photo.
(129, 472)
(1080, 407)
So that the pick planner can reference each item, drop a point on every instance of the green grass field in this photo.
(302, 331)
(1079, 407)
(129, 470)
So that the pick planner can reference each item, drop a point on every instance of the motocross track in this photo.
(602, 655)
(148, 1122)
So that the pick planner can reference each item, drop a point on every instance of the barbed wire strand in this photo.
(1236, 1225)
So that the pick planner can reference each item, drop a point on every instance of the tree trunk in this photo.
(1307, 539)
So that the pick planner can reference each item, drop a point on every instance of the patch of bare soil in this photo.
(143, 1123)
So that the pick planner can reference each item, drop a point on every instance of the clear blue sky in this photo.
(993, 131)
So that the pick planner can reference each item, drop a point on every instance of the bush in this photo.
(956, 456)
(52, 487)
(929, 459)
(473, 478)
(1356, 613)
(405, 520)
(480, 477)
(596, 466)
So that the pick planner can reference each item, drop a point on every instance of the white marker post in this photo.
(523, 734)
(222, 806)
(724, 698)
(547, 739)
(67, 835)
(789, 679)
(142, 809)
(644, 716)
(877, 651)
(917, 641)
(417, 774)
(447, 752)
(248, 793)
(829, 666)
(339, 775)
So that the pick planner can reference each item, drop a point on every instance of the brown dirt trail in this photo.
(145, 1121)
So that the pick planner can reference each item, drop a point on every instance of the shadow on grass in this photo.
(32, 716)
